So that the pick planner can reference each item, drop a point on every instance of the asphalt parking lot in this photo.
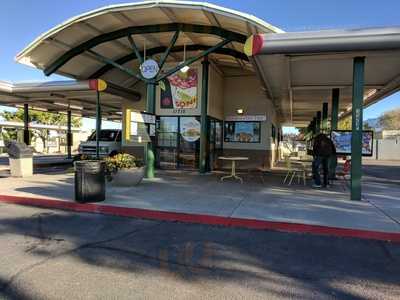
(50, 254)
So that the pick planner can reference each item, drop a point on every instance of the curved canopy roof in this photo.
(68, 49)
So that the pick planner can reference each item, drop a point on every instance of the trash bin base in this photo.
(21, 167)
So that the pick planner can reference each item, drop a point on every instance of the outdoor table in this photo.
(233, 159)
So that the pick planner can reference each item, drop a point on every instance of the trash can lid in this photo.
(19, 150)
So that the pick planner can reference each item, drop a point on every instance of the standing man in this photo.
(323, 149)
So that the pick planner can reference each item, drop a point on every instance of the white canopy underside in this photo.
(300, 70)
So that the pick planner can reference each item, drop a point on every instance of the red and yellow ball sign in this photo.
(253, 45)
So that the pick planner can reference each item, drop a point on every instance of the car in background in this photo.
(109, 143)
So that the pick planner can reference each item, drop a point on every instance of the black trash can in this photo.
(90, 184)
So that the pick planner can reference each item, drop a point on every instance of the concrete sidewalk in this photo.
(191, 193)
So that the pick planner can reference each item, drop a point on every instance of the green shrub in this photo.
(120, 161)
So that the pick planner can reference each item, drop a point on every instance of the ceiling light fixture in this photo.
(239, 111)
(68, 105)
(184, 69)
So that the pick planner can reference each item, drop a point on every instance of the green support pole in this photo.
(26, 125)
(149, 149)
(335, 109)
(98, 125)
(318, 123)
(203, 118)
(357, 126)
(314, 126)
(69, 134)
(325, 117)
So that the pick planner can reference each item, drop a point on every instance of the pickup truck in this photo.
(109, 143)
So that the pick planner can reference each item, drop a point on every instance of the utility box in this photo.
(20, 157)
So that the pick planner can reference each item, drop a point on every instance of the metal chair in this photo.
(293, 171)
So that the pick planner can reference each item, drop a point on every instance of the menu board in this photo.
(342, 141)
(242, 132)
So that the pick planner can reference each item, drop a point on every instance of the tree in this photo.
(345, 124)
(390, 119)
(40, 117)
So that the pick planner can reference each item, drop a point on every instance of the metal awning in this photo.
(12, 124)
(75, 47)
(300, 69)
(59, 96)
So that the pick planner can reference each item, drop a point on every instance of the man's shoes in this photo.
(316, 186)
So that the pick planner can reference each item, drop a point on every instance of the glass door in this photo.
(189, 142)
(215, 142)
(167, 142)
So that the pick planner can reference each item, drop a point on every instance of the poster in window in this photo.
(342, 141)
(242, 132)
(190, 129)
(179, 91)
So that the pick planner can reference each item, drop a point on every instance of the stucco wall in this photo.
(245, 92)
(215, 94)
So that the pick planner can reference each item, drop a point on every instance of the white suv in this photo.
(109, 143)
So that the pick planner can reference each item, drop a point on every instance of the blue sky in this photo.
(22, 21)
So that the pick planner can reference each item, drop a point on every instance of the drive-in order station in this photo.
(191, 81)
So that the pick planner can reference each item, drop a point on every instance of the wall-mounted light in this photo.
(239, 111)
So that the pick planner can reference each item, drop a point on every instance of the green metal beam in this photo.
(203, 117)
(27, 139)
(98, 124)
(69, 134)
(149, 149)
(314, 125)
(335, 109)
(357, 127)
(135, 49)
(193, 59)
(325, 117)
(157, 50)
(147, 29)
(168, 50)
(114, 64)
(318, 122)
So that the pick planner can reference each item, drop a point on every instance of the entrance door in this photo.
(189, 142)
(215, 142)
(178, 142)
(167, 142)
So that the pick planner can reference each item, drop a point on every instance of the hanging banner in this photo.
(190, 129)
(179, 91)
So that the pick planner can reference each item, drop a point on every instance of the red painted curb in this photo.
(202, 219)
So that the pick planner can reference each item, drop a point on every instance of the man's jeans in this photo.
(317, 162)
